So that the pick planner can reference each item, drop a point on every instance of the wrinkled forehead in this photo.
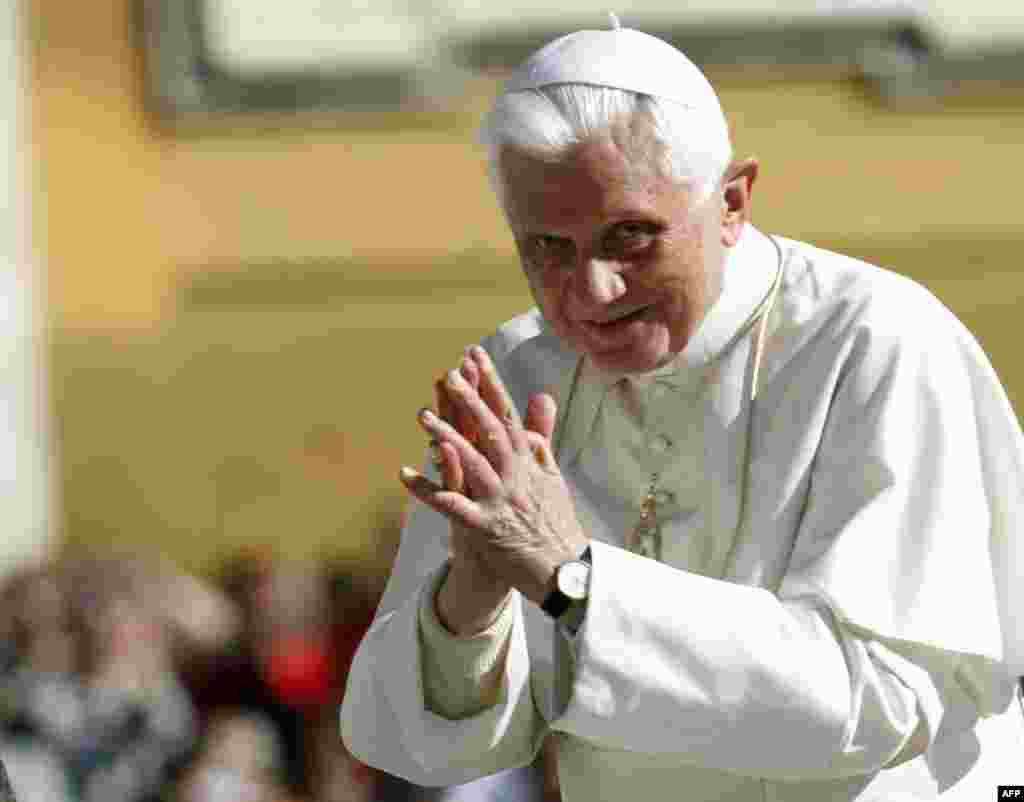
(593, 183)
(627, 150)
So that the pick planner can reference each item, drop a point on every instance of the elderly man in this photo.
(755, 534)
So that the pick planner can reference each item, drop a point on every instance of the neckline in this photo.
(579, 383)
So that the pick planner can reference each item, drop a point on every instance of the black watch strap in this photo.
(557, 602)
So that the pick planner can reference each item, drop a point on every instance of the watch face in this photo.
(572, 579)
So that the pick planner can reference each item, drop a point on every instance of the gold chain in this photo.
(645, 538)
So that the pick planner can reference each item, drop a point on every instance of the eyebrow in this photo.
(631, 218)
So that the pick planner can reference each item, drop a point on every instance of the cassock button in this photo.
(661, 444)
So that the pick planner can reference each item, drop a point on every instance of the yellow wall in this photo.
(152, 397)
(130, 206)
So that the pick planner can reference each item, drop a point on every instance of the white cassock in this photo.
(833, 615)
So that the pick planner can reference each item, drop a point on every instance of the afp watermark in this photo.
(1011, 792)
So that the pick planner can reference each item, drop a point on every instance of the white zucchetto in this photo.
(621, 58)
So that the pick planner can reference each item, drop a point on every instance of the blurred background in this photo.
(243, 237)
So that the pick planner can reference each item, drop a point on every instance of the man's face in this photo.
(622, 265)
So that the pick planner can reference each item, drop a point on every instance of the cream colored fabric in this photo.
(847, 635)
(453, 666)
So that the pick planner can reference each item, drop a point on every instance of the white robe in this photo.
(859, 615)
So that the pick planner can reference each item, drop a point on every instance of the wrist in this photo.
(464, 604)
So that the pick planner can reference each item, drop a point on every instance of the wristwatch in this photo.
(572, 582)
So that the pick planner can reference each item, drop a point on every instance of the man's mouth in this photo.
(626, 317)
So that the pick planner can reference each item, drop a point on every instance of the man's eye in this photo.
(549, 248)
(630, 237)
(545, 242)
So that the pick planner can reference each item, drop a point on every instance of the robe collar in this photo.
(750, 269)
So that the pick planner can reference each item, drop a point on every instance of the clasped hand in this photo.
(509, 506)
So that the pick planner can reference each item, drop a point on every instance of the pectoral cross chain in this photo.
(646, 535)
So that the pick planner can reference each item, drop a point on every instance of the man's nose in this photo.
(599, 282)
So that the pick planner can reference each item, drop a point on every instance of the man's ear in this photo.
(737, 189)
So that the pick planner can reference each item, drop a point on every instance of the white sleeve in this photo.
(729, 677)
(454, 667)
(385, 719)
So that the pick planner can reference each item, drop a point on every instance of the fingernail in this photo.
(454, 378)
(426, 415)
(408, 474)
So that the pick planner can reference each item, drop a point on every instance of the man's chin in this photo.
(628, 361)
(636, 357)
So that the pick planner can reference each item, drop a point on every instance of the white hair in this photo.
(694, 147)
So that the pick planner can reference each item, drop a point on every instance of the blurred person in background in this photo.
(138, 722)
(93, 691)
(337, 775)
(239, 676)
(44, 680)
(340, 777)
(37, 629)
(766, 544)
(301, 623)
(241, 761)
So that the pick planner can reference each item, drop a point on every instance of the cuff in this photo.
(454, 667)
(494, 738)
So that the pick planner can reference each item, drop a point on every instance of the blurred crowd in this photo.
(123, 679)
